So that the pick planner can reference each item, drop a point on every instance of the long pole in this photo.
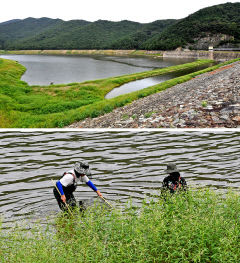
(106, 201)
(60, 195)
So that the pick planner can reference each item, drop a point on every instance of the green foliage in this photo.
(197, 226)
(52, 34)
(137, 39)
(23, 29)
(222, 19)
(204, 103)
(125, 117)
(148, 114)
(76, 34)
(24, 106)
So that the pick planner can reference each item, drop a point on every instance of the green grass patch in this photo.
(125, 117)
(204, 103)
(24, 106)
(148, 114)
(197, 226)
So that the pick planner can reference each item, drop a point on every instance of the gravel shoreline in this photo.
(211, 100)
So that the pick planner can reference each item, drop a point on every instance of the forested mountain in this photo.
(13, 31)
(137, 39)
(215, 25)
(211, 23)
(78, 34)
(10, 21)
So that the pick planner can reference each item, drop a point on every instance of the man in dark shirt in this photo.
(173, 181)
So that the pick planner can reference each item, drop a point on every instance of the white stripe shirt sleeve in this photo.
(66, 180)
(84, 179)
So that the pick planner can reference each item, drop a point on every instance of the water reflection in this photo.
(44, 69)
(148, 82)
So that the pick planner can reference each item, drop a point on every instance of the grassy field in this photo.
(196, 226)
(24, 106)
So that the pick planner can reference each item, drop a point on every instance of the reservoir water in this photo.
(46, 69)
(124, 164)
(148, 82)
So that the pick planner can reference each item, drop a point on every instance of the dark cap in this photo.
(171, 168)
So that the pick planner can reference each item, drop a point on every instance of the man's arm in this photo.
(91, 185)
(59, 186)
(165, 182)
(183, 183)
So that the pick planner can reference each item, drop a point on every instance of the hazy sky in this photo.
(143, 11)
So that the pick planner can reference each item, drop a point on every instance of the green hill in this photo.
(137, 39)
(14, 30)
(216, 25)
(79, 35)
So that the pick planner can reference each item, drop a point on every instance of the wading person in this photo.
(173, 181)
(68, 184)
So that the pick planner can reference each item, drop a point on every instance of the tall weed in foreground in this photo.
(197, 226)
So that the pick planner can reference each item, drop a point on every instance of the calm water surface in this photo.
(44, 69)
(124, 164)
(148, 82)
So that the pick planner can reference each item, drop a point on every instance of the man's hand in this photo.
(98, 193)
(63, 197)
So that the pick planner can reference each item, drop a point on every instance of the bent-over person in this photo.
(68, 184)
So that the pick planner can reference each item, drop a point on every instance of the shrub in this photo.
(196, 226)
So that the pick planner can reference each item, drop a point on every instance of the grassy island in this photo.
(196, 226)
(24, 106)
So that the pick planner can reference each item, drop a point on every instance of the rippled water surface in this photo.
(44, 69)
(124, 164)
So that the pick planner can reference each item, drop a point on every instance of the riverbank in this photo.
(210, 100)
(202, 224)
(179, 53)
(24, 106)
(107, 52)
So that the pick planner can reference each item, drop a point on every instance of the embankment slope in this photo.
(210, 100)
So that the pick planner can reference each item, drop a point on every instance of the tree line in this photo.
(46, 33)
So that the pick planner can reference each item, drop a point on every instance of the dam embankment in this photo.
(197, 54)
(210, 100)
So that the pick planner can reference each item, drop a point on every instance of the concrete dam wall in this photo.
(215, 55)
